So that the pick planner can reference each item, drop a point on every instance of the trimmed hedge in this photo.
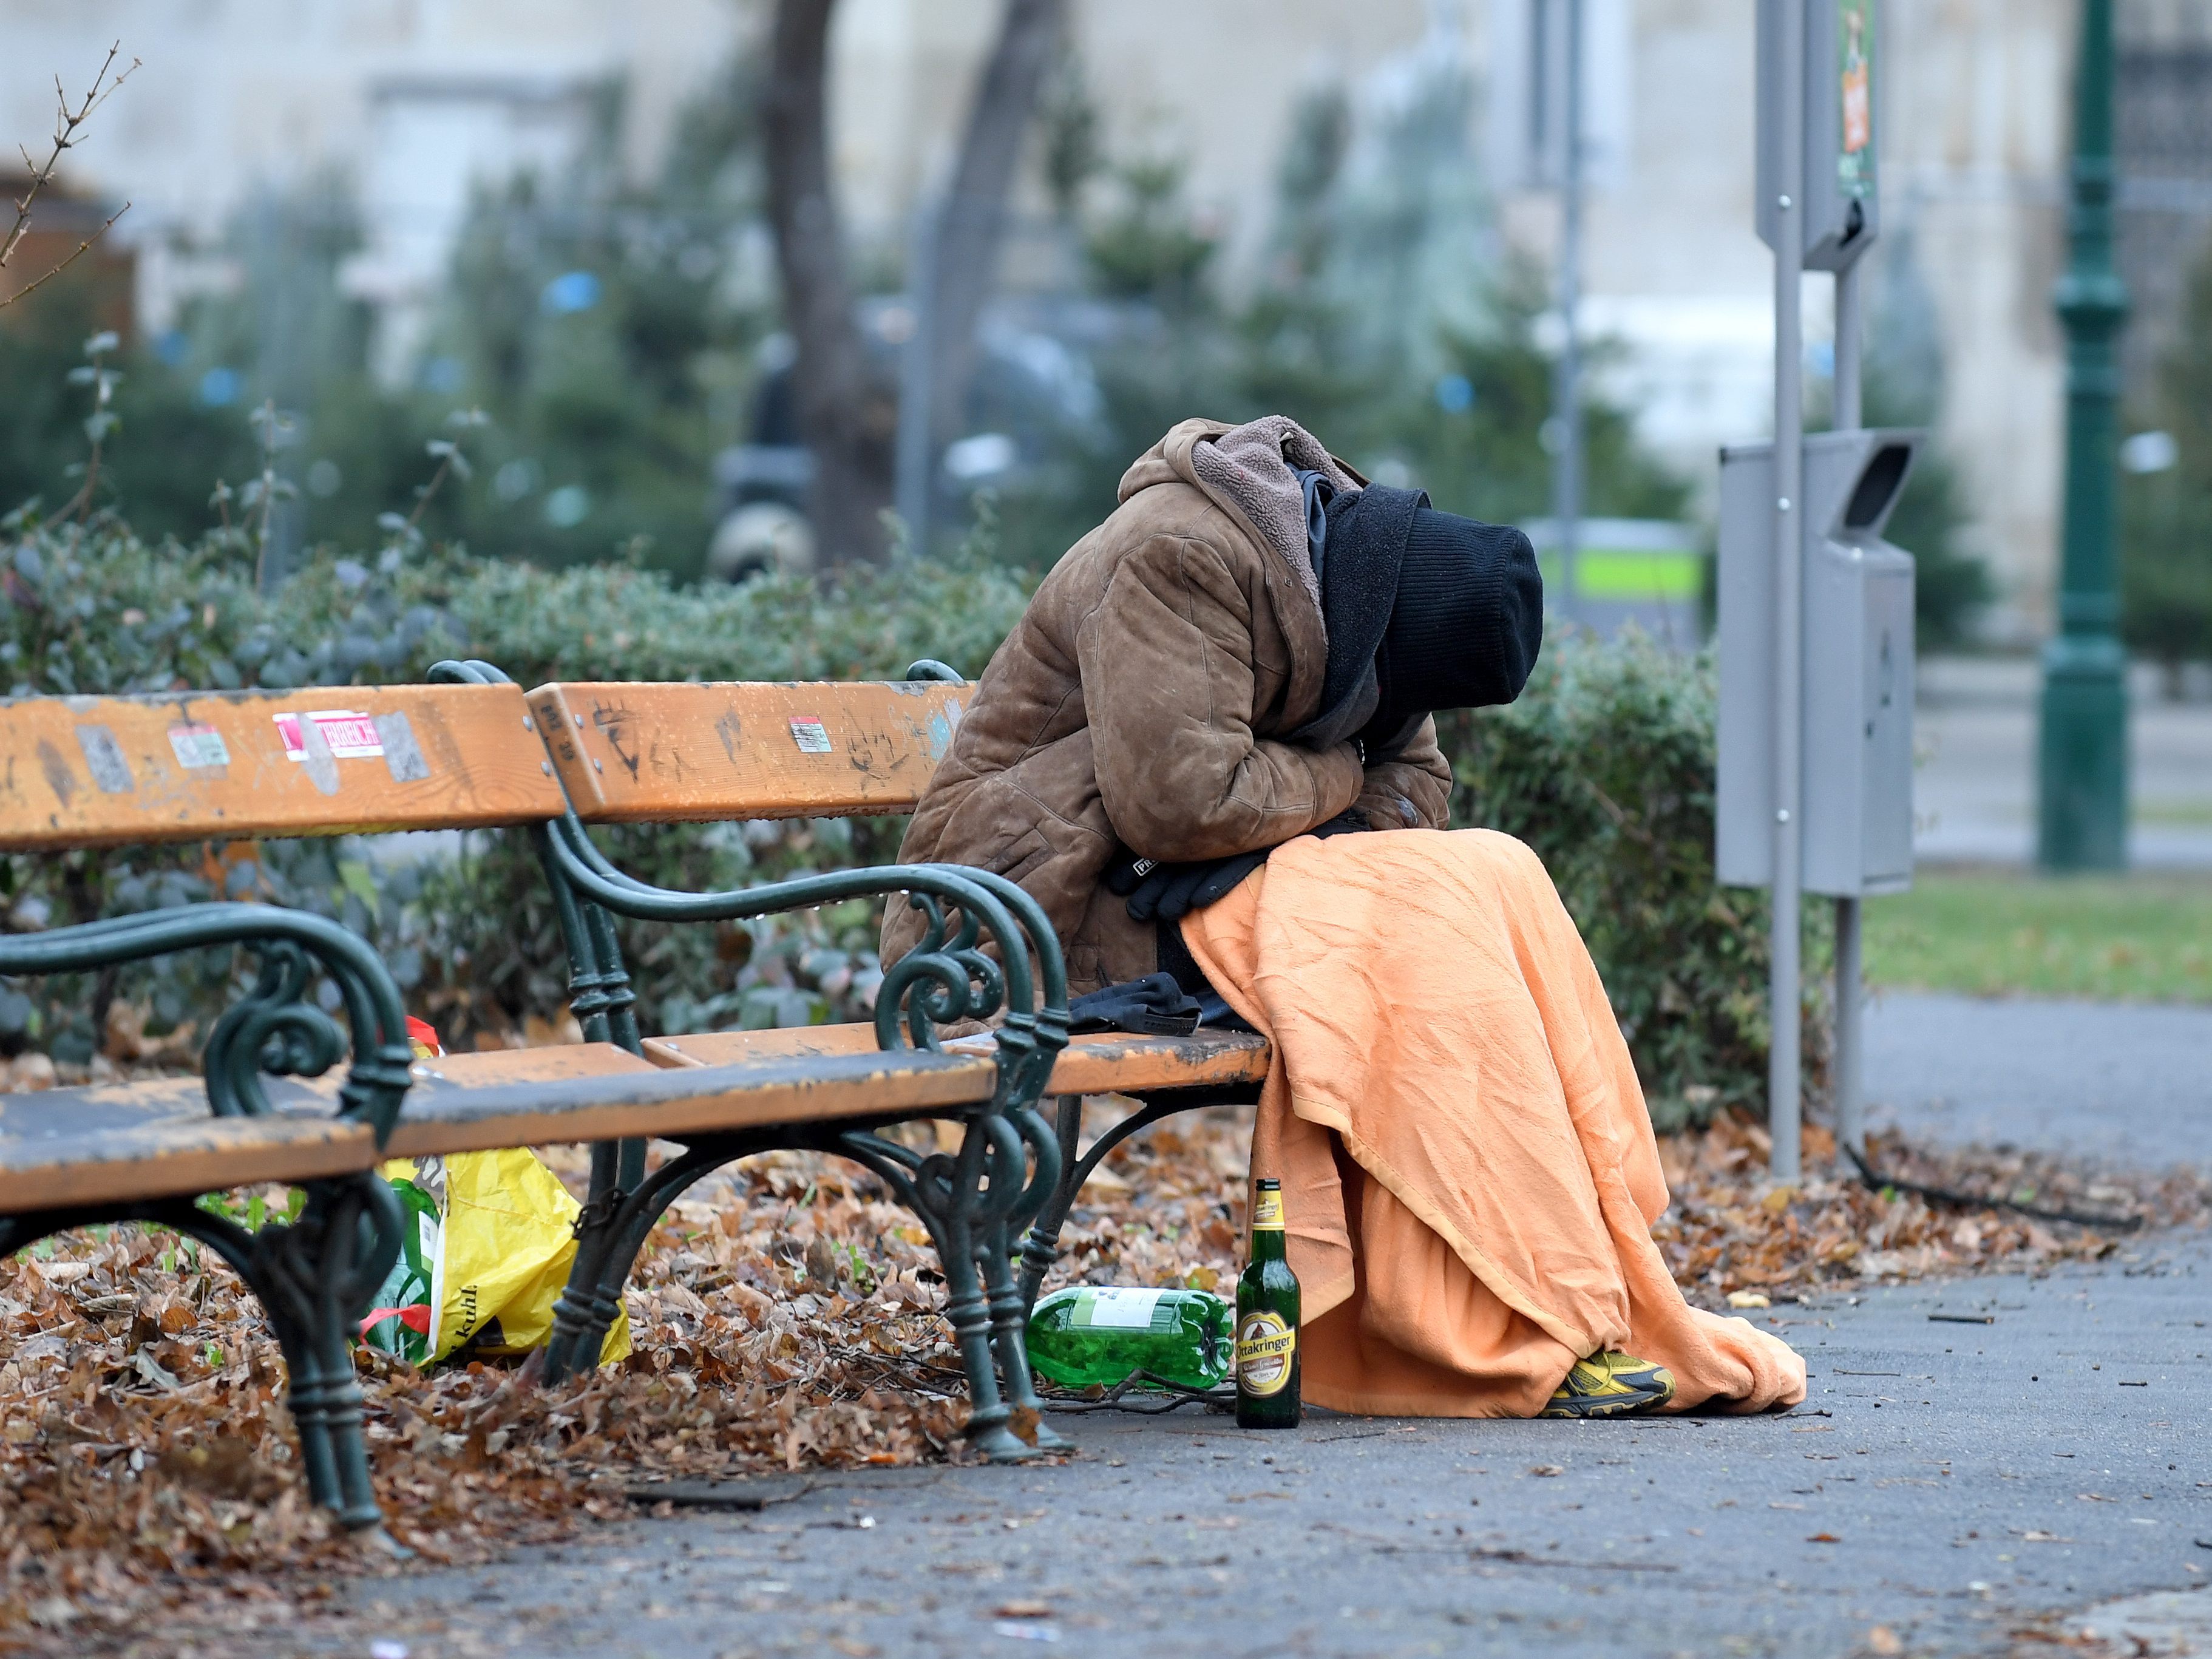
(466, 924)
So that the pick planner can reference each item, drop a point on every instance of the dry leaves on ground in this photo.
(1730, 1230)
(784, 1316)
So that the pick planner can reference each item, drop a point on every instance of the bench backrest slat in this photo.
(205, 765)
(678, 753)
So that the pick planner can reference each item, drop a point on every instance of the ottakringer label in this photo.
(1264, 1345)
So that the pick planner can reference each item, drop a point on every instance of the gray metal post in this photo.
(916, 448)
(1851, 988)
(1849, 342)
(1567, 374)
(1784, 1091)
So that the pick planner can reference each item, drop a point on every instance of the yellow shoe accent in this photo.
(1611, 1384)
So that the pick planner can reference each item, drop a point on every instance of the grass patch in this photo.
(2142, 939)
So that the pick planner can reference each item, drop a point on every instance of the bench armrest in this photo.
(272, 1029)
(949, 976)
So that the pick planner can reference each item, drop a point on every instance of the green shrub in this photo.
(1605, 766)
(471, 938)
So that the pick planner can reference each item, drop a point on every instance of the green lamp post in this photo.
(2082, 820)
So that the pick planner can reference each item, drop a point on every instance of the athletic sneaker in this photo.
(1611, 1384)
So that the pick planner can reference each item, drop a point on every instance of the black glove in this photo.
(1154, 1005)
(1169, 892)
(1344, 823)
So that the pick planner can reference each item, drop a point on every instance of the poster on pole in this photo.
(1855, 105)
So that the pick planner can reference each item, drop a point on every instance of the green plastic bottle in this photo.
(1090, 1334)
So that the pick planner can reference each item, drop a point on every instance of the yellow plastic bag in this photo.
(498, 1252)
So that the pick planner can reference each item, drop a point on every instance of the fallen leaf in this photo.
(1748, 1299)
(1546, 1468)
(1022, 1609)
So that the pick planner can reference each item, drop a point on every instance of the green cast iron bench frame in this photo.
(91, 773)
(197, 767)
(663, 753)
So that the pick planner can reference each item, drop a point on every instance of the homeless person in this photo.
(1206, 751)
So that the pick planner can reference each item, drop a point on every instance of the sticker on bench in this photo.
(403, 755)
(103, 758)
(811, 735)
(348, 734)
(199, 745)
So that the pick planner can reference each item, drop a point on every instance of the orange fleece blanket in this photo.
(1469, 1177)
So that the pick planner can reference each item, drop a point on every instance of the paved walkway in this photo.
(1971, 1477)
(2130, 1083)
(1949, 1482)
(1974, 725)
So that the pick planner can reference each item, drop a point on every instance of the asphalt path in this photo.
(2128, 1083)
(1948, 1483)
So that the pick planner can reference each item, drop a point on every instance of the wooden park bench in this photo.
(89, 772)
(691, 752)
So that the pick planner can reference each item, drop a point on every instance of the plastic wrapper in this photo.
(488, 1245)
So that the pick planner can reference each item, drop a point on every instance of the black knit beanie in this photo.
(1466, 628)
(1424, 610)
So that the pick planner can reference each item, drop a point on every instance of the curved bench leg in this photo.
(946, 1194)
(989, 1416)
(1009, 1328)
(584, 1313)
(1009, 1308)
(593, 1295)
(1041, 1244)
(315, 1277)
(322, 1269)
(949, 1195)
(609, 1235)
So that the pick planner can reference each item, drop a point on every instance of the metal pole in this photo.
(916, 448)
(1567, 391)
(1784, 1101)
(1850, 1042)
(1850, 339)
(2082, 817)
(1851, 989)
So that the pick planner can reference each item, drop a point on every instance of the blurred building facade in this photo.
(401, 105)
(1974, 128)
(413, 101)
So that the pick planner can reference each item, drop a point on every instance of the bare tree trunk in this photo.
(972, 226)
(846, 413)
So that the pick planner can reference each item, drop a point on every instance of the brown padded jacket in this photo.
(1144, 696)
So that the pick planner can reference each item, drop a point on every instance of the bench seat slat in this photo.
(174, 1157)
(1093, 1064)
(686, 752)
(68, 1147)
(665, 1103)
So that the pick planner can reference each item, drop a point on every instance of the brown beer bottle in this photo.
(1268, 1321)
